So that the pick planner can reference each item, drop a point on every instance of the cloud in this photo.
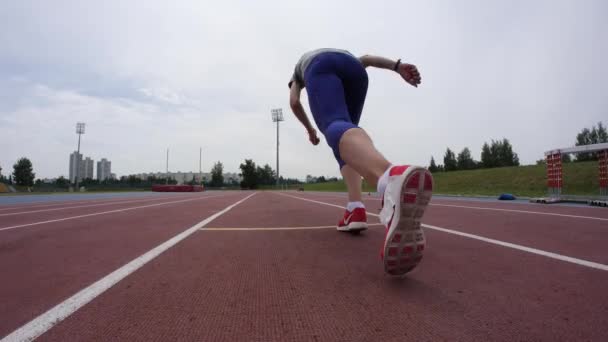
(147, 75)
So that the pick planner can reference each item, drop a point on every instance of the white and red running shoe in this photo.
(407, 195)
(353, 221)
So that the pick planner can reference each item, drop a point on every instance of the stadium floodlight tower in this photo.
(79, 131)
(277, 116)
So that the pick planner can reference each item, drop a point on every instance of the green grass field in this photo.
(579, 179)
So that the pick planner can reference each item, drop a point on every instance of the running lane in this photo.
(12, 200)
(578, 232)
(31, 217)
(60, 204)
(44, 264)
(317, 284)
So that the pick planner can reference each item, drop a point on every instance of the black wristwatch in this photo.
(397, 64)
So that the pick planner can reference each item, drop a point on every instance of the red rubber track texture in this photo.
(322, 285)
(575, 237)
(374, 201)
(17, 207)
(57, 213)
(547, 208)
(43, 265)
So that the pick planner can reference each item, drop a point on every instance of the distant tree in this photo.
(270, 173)
(311, 179)
(38, 182)
(321, 179)
(1, 176)
(433, 167)
(249, 175)
(495, 150)
(266, 175)
(487, 159)
(332, 179)
(91, 181)
(498, 154)
(464, 160)
(602, 134)
(132, 180)
(595, 135)
(217, 175)
(10, 179)
(23, 172)
(541, 162)
(449, 160)
(440, 168)
(583, 138)
(291, 181)
(506, 156)
(61, 182)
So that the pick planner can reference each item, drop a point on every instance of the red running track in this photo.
(310, 284)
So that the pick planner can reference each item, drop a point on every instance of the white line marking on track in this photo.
(276, 228)
(27, 206)
(496, 209)
(522, 211)
(105, 212)
(551, 255)
(84, 206)
(319, 202)
(61, 311)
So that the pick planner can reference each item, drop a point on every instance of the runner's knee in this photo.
(333, 134)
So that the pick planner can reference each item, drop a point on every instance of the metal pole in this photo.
(79, 131)
(77, 162)
(277, 116)
(278, 153)
(167, 170)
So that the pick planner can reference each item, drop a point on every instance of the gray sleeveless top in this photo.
(304, 62)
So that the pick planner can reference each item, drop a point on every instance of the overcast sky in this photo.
(149, 75)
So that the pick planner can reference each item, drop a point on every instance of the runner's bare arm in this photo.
(300, 113)
(408, 72)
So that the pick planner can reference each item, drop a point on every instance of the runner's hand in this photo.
(312, 136)
(409, 73)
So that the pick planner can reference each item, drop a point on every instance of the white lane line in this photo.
(105, 212)
(26, 206)
(42, 204)
(530, 212)
(61, 311)
(85, 206)
(276, 228)
(551, 255)
(318, 202)
(522, 211)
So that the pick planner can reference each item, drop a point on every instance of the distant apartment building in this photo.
(87, 168)
(104, 169)
(179, 177)
(75, 162)
(186, 177)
